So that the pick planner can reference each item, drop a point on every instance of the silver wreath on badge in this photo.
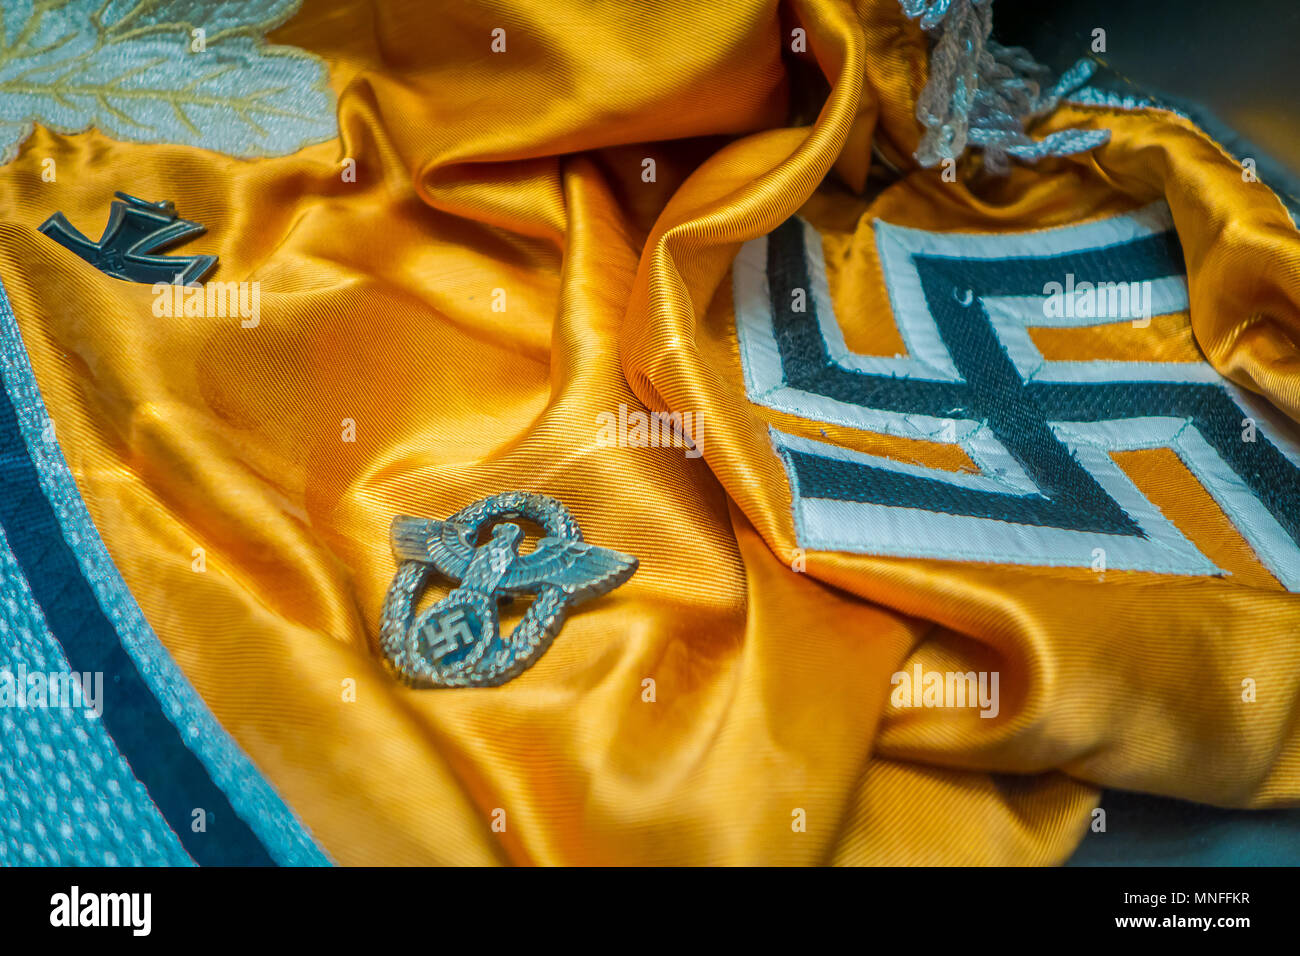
(457, 642)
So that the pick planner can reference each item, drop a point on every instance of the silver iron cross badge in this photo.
(457, 642)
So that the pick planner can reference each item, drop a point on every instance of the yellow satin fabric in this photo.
(522, 172)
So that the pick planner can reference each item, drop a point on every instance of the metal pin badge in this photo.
(136, 232)
(457, 641)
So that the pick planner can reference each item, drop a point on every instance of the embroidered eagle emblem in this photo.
(457, 642)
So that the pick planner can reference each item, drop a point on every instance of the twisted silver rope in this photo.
(982, 94)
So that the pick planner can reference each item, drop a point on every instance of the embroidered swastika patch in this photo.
(1040, 431)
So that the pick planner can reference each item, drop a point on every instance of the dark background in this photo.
(1238, 60)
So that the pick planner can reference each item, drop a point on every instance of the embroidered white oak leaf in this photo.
(217, 17)
(126, 67)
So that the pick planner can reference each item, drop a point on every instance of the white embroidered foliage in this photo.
(128, 68)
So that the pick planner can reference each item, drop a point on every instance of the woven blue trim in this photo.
(1092, 96)
(284, 837)
(68, 797)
